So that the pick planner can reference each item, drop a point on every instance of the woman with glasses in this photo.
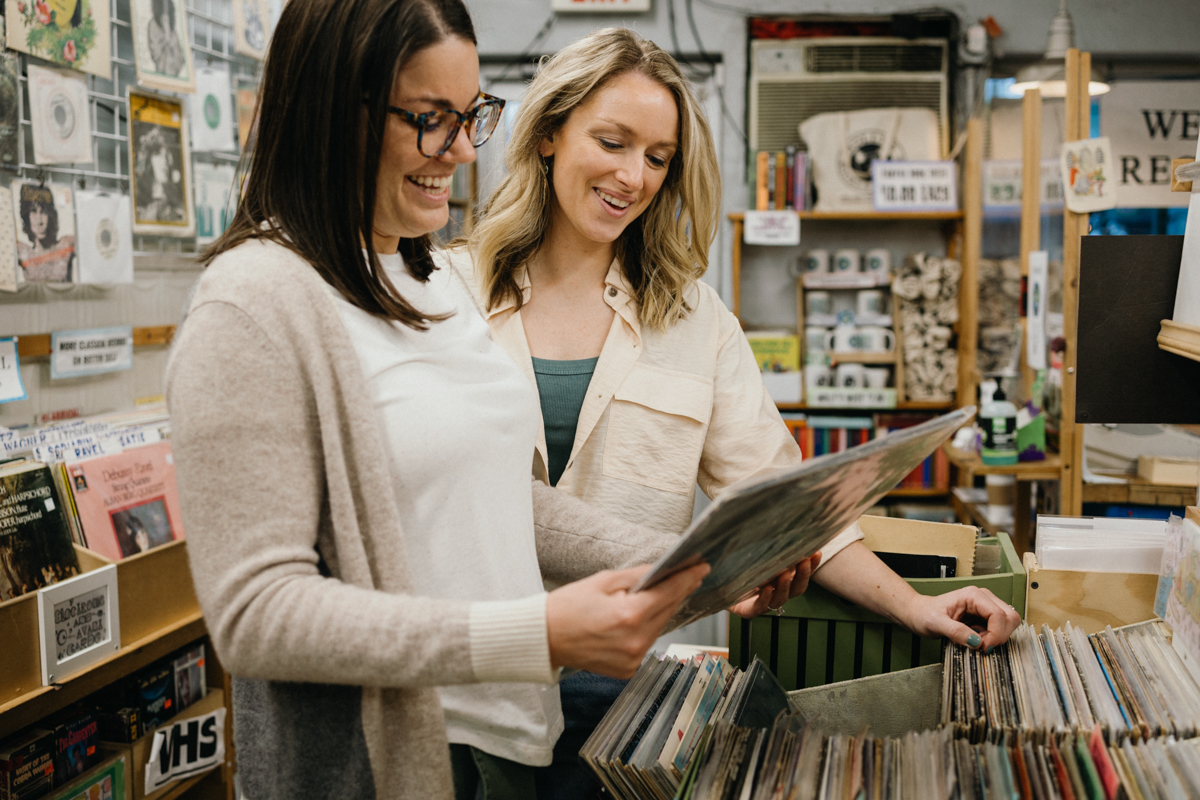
(588, 261)
(353, 450)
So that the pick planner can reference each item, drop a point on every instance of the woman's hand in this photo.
(598, 625)
(771, 596)
(971, 616)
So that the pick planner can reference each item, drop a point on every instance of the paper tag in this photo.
(914, 185)
(11, 387)
(772, 228)
(1051, 183)
(1002, 184)
(90, 352)
(1087, 175)
(1035, 310)
(186, 748)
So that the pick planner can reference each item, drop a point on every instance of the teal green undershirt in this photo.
(562, 385)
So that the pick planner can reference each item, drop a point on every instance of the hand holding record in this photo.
(970, 616)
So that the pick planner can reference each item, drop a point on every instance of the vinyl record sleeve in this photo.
(251, 27)
(160, 165)
(58, 113)
(161, 46)
(759, 527)
(8, 245)
(45, 223)
(10, 121)
(104, 240)
(215, 200)
(70, 33)
(212, 112)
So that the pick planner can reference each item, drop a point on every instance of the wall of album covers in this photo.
(121, 126)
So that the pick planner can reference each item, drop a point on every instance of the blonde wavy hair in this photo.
(662, 252)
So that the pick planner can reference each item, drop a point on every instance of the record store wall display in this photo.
(71, 33)
(58, 111)
(105, 240)
(44, 216)
(10, 112)
(212, 111)
(247, 103)
(8, 244)
(214, 184)
(160, 165)
(251, 19)
(160, 44)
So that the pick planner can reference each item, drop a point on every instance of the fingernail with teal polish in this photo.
(989, 650)
(973, 640)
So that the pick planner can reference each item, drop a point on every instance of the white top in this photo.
(460, 423)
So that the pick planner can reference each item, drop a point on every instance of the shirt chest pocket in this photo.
(657, 422)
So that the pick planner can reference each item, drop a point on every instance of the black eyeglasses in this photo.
(480, 121)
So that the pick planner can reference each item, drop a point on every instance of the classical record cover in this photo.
(212, 111)
(160, 45)
(70, 33)
(10, 121)
(105, 240)
(128, 502)
(58, 113)
(35, 543)
(251, 21)
(161, 165)
(45, 220)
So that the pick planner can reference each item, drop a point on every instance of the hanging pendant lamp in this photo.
(1050, 74)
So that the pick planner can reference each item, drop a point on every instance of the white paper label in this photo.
(914, 185)
(11, 387)
(772, 228)
(1002, 184)
(186, 748)
(1035, 310)
(80, 624)
(91, 352)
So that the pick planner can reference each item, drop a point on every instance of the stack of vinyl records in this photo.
(642, 747)
(1129, 683)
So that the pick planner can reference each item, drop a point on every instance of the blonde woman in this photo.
(587, 262)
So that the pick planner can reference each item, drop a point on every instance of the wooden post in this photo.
(968, 288)
(1031, 210)
(736, 267)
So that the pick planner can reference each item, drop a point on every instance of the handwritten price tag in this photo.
(772, 227)
(914, 185)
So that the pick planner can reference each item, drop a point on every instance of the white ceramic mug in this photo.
(875, 339)
(842, 339)
(847, 260)
(818, 304)
(878, 261)
(817, 376)
(875, 377)
(814, 339)
(849, 376)
(869, 303)
(817, 261)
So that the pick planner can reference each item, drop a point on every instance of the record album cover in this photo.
(8, 245)
(70, 33)
(161, 165)
(45, 222)
(105, 240)
(35, 542)
(160, 45)
(58, 112)
(251, 23)
(247, 108)
(10, 122)
(212, 111)
(215, 200)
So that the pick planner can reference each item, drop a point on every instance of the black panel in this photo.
(1126, 289)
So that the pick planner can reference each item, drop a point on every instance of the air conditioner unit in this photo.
(794, 79)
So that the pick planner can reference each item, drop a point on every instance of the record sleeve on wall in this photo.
(214, 184)
(247, 103)
(58, 112)
(71, 33)
(10, 120)
(251, 19)
(8, 245)
(212, 111)
(105, 239)
(45, 220)
(160, 45)
(160, 165)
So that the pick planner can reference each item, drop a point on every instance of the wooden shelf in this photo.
(1048, 470)
(37, 345)
(45, 700)
(973, 512)
(739, 216)
(918, 491)
(861, 357)
(1139, 492)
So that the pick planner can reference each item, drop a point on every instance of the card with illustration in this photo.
(70, 33)
(1087, 175)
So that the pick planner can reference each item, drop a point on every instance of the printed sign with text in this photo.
(914, 185)
(90, 352)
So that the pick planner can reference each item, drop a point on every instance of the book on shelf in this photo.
(36, 548)
(775, 350)
(780, 180)
(934, 471)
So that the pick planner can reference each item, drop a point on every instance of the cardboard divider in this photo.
(1090, 600)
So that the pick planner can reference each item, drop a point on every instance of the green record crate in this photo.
(821, 638)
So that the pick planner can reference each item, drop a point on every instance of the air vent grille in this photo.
(874, 58)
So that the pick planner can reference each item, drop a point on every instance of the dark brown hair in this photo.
(313, 177)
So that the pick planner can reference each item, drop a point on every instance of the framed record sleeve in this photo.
(160, 165)
(70, 33)
(58, 112)
(161, 46)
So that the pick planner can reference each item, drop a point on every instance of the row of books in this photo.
(60, 748)
(781, 180)
(1128, 684)
(795, 760)
(819, 435)
(104, 483)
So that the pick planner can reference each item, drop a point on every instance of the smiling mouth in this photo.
(432, 184)
(620, 205)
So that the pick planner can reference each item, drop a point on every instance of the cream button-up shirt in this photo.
(665, 412)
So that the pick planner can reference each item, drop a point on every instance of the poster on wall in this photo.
(1087, 175)
(214, 209)
(58, 112)
(251, 19)
(160, 163)
(105, 240)
(160, 45)
(70, 33)
(45, 220)
(10, 120)
(212, 111)
(1149, 123)
(247, 102)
